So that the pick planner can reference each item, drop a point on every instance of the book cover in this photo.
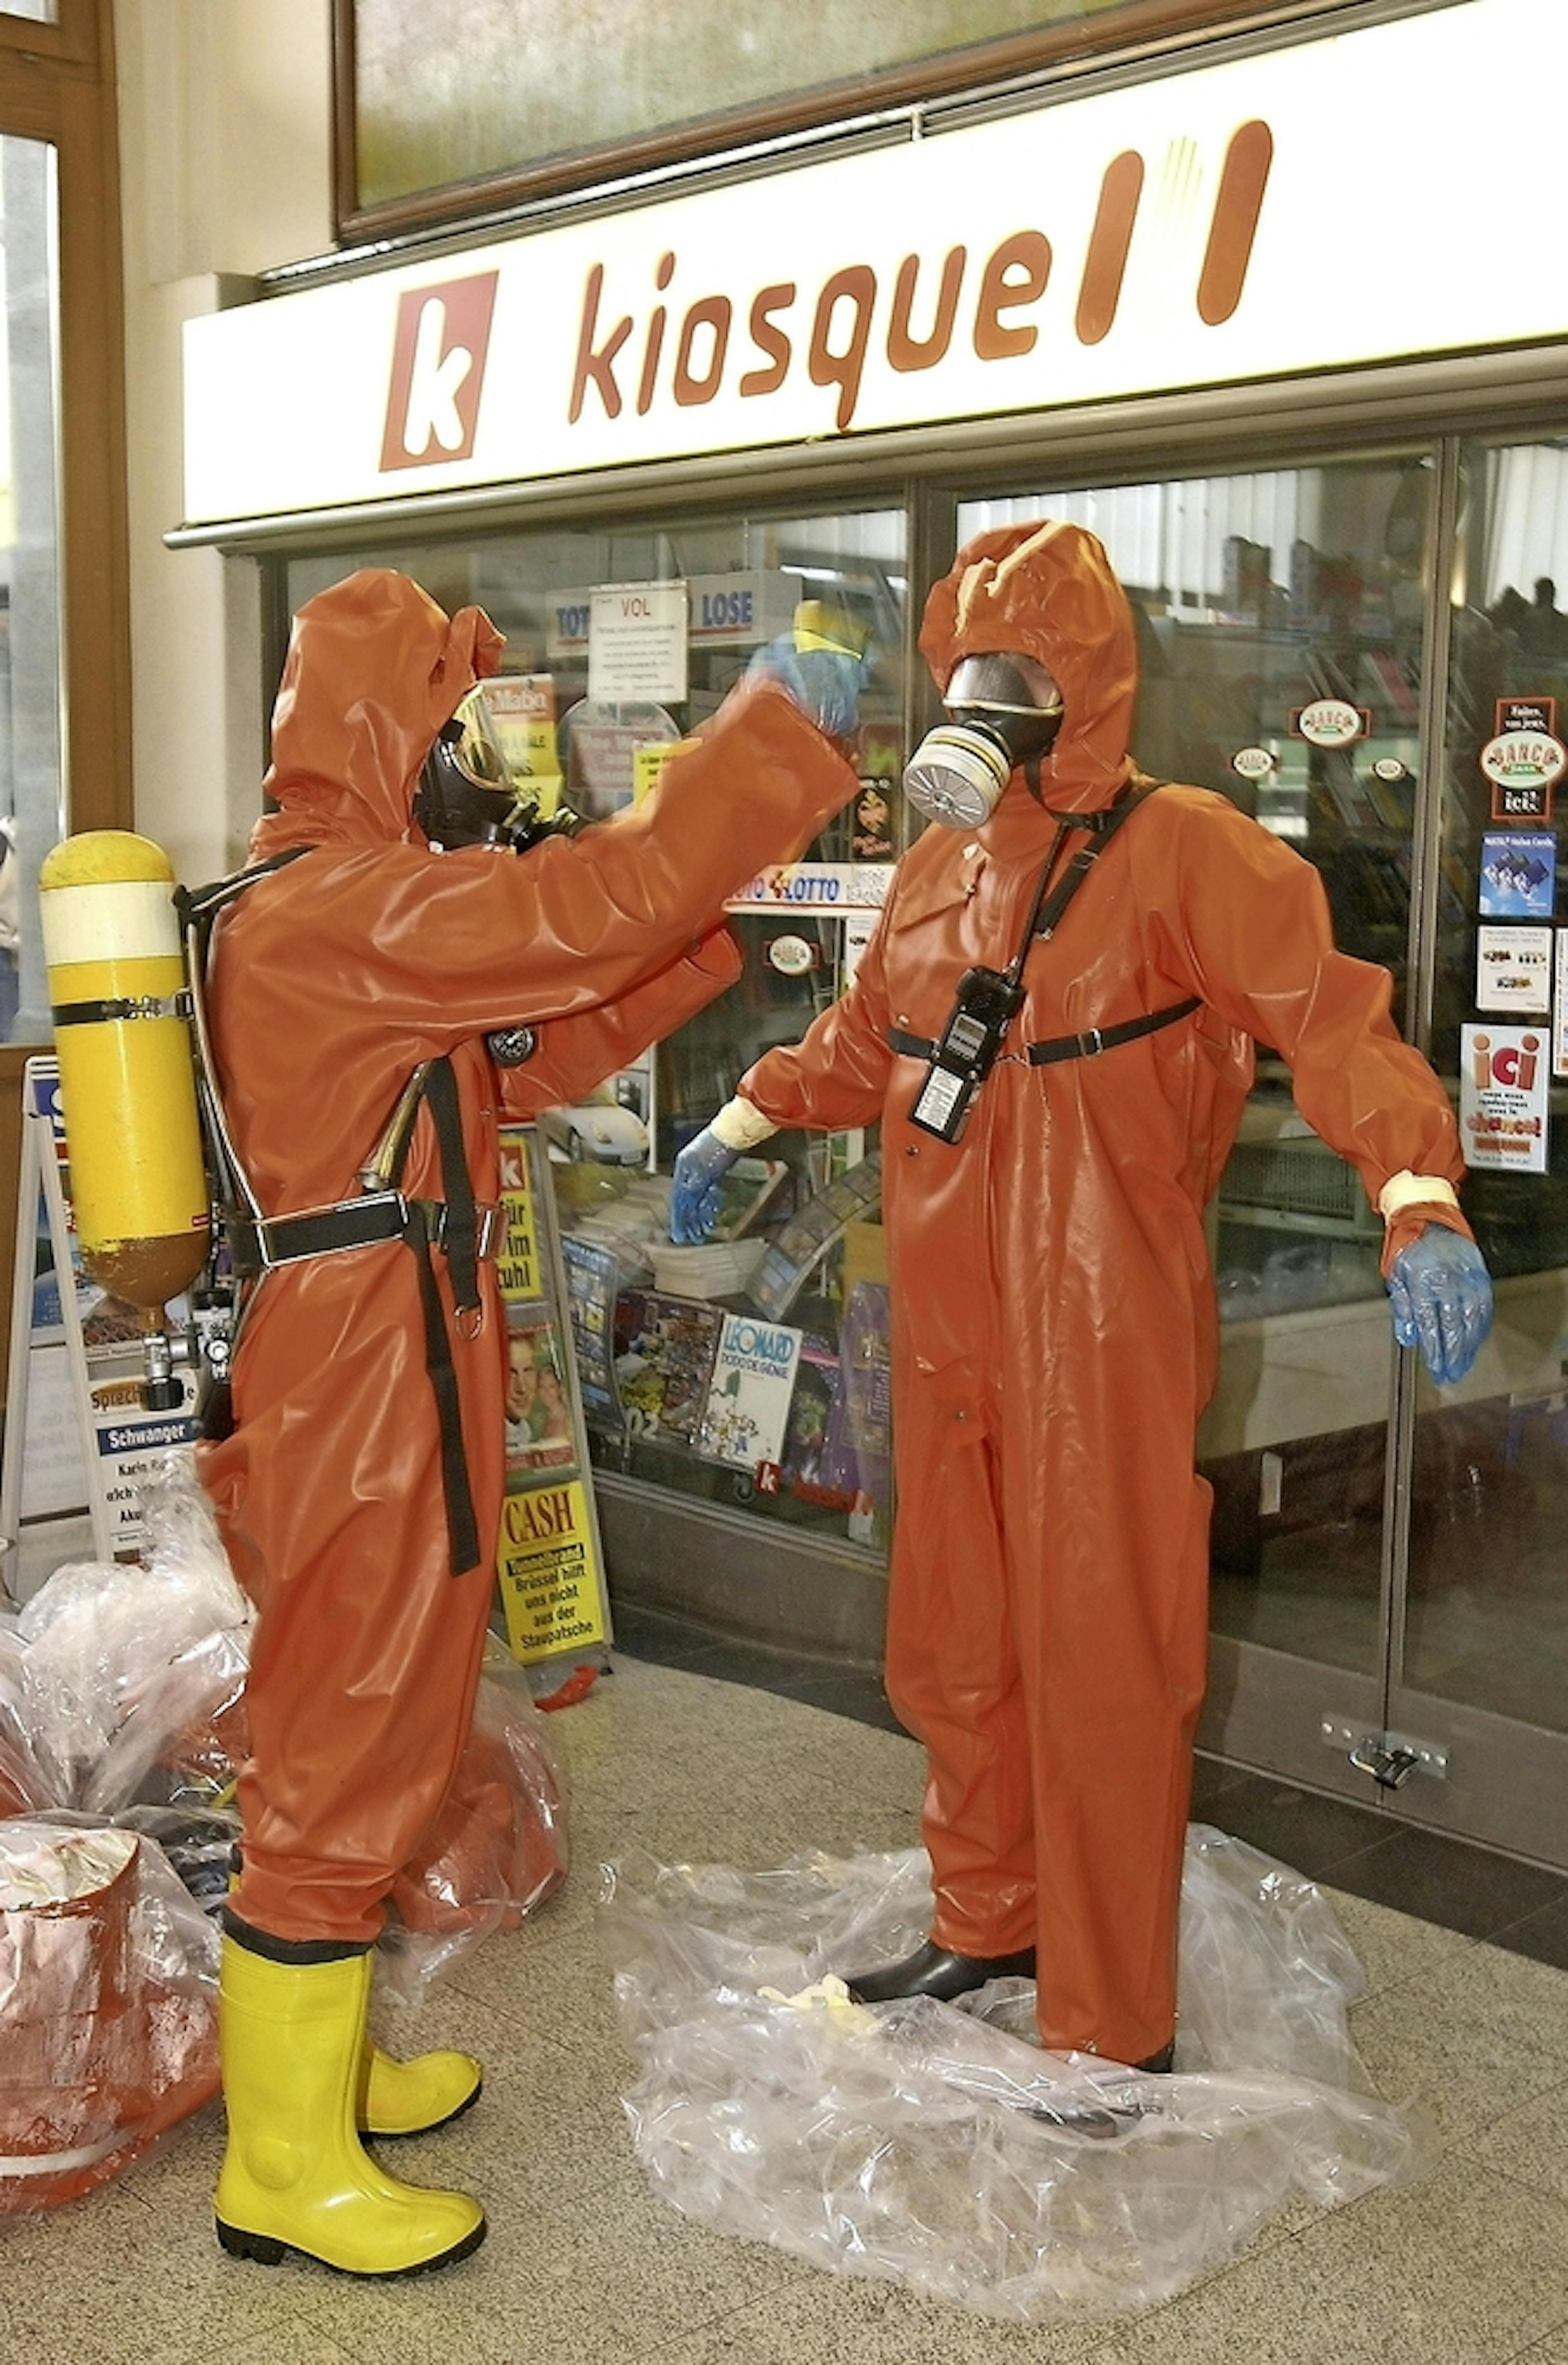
(665, 1347)
(749, 1396)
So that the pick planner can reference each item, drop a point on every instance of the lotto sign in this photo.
(1502, 1078)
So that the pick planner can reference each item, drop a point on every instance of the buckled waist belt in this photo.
(1064, 1046)
(351, 1224)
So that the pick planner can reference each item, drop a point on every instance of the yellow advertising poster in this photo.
(648, 764)
(549, 1572)
(523, 707)
(519, 1270)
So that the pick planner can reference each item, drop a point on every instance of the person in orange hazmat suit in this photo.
(402, 936)
(1055, 1024)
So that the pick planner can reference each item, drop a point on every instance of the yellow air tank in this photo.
(117, 983)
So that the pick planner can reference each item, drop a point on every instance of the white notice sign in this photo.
(637, 644)
(1513, 970)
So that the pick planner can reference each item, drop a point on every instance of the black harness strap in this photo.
(462, 1527)
(1066, 1047)
(1049, 908)
(204, 904)
(1045, 917)
(140, 1005)
(1105, 1038)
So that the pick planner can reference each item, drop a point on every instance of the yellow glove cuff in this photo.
(1407, 1190)
(739, 1126)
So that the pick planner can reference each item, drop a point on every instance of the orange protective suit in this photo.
(1054, 1328)
(330, 980)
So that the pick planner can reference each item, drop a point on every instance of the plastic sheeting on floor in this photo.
(938, 2144)
(122, 1698)
(109, 2019)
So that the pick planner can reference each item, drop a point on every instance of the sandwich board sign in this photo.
(79, 1441)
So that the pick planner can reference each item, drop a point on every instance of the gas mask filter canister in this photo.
(1001, 710)
(958, 773)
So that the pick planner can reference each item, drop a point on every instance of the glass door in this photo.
(1371, 657)
(1478, 1647)
(1280, 620)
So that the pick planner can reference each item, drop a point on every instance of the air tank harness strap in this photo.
(459, 1235)
(455, 1224)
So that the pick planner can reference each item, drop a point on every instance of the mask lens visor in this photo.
(1003, 684)
(475, 743)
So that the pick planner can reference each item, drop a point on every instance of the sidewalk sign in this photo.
(78, 1442)
(549, 1558)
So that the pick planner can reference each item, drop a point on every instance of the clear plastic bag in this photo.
(941, 2146)
(115, 1660)
(23, 1782)
(108, 2021)
(499, 1847)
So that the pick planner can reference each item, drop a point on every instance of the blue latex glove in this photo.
(700, 1169)
(1441, 1293)
(824, 683)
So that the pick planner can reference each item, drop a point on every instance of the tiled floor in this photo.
(585, 2264)
(1331, 1839)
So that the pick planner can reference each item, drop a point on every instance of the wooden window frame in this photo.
(57, 84)
(1134, 25)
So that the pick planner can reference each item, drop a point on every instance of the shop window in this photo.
(31, 720)
(449, 109)
(64, 598)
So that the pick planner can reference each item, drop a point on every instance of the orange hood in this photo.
(1047, 591)
(374, 669)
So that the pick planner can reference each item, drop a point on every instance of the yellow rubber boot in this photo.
(296, 2176)
(412, 2098)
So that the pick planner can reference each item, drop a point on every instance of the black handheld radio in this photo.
(965, 1052)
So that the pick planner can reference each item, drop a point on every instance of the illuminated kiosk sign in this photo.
(1133, 242)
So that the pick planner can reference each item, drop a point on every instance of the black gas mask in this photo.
(1001, 712)
(468, 795)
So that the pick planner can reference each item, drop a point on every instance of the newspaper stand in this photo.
(78, 1440)
(549, 1556)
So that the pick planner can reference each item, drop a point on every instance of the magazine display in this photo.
(807, 1237)
(811, 1413)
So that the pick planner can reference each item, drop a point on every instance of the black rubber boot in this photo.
(932, 1971)
(1161, 2064)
